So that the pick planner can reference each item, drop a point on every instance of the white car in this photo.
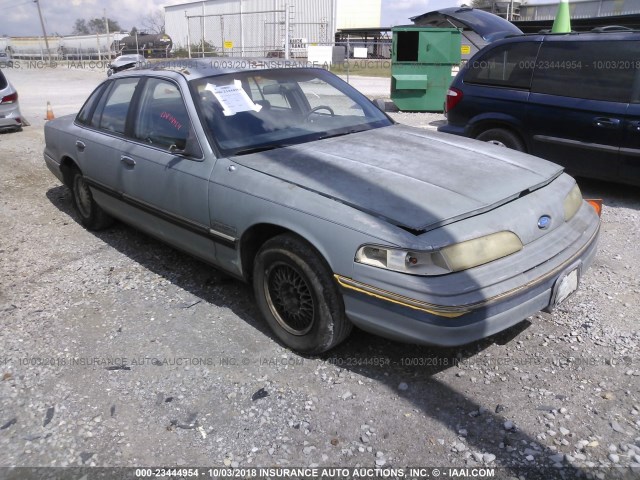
(124, 62)
(10, 116)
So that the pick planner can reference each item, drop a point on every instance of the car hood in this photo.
(413, 178)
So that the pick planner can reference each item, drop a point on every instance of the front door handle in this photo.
(80, 146)
(634, 126)
(606, 122)
(128, 161)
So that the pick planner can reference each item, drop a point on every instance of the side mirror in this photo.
(179, 147)
(185, 148)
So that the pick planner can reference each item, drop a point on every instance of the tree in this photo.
(95, 25)
(154, 22)
(80, 27)
(481, 4)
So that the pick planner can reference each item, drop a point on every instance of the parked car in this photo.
(5, 60)
(124, 62)
(292, 180)
(10, 116)
(572, 98)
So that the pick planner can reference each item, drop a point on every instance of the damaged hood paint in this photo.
(410, 177)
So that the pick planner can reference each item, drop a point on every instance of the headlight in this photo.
(572, 203)
(453, 258)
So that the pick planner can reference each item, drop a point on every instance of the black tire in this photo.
(298, 296)
(503, 138)
(91, 215)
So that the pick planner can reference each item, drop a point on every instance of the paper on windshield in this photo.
(233, 98)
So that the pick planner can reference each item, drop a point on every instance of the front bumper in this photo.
(415, 321)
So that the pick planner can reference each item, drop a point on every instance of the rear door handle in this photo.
(634, 126)
(606, 122)
(128, 161)
(80, 146)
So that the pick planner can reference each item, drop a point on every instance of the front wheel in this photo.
(502, 138)
(91, 214)
(298, 297)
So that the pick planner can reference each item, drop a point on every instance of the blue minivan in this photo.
(570, 98)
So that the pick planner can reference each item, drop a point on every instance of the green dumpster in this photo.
(421, 66)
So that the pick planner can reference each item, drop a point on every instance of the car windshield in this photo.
(250, 111)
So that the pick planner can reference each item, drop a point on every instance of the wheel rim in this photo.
(289, 298)
(83, 197)
(496, 142)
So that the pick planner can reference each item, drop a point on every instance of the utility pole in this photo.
(106, 25)
(44, 32)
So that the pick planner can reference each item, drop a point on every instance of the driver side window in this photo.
(162, 119)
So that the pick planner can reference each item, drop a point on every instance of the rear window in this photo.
(111, 114)
(591, 70)
(508, 65)
(83, 116)
(3, 81)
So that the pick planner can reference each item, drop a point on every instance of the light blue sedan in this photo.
(290, 179)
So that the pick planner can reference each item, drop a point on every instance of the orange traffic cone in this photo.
(50, 115)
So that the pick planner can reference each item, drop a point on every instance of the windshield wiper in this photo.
(262, 148)
(341, 134)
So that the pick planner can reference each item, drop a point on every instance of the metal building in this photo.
(262, 27)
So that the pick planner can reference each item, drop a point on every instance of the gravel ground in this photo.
(120, 351)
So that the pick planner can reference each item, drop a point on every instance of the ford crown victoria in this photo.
(290, 179)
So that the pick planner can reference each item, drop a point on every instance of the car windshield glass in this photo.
(258, 110)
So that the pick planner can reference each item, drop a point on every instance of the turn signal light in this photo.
(596, 203)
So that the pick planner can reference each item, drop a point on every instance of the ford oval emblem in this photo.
(544, 222)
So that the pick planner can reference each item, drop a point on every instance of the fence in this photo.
(270, 33)
(247, 34)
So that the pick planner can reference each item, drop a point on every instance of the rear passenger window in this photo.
(509, 65)
(591, 70)
(84, 114)
(113, 115)
(162, 118)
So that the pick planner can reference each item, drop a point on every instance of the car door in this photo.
(577, 105)
(165, 175)
(100, 139)
(630, 148)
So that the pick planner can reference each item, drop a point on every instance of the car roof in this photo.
(579, 36)
(194, 68)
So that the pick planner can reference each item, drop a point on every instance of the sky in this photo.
(20, 17)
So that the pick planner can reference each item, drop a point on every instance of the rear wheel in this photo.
(91, 214)
(298, 297)
(502, 138)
